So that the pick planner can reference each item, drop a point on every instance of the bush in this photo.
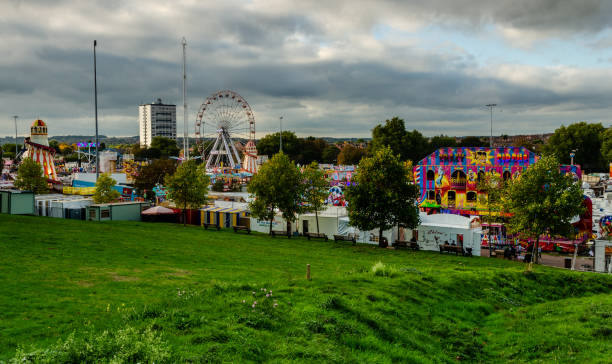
(128, 345)
(382, 270)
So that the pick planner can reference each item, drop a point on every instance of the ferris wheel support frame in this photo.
(224, 121)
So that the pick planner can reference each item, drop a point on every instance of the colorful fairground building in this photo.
(448, 180)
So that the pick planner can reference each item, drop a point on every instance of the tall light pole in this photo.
(491, 106)
(281, 133)
(15, 119)
(185, 134)
(96, 110)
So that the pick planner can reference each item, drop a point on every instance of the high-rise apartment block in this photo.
(156, 119)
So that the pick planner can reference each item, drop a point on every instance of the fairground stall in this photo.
(225, 217)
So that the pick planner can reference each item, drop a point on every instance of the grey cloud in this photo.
(251, 50)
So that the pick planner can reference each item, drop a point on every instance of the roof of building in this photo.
(446, 220)
(38, 122)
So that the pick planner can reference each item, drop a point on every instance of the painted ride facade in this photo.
(448, 181)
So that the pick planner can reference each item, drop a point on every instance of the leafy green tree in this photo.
(383, 194)
(218, 185)
(30, 177)
(606, 146)
(167, 147)
(585, 138)
(316, 190)
(154, 173)
(277, 185)
(543, 200)
(55, 145)
(330, 154)
(269, 145)
(105, 192)
(8, 150)
(473, 141)
(408, 145)
(494, 188)
(350, 154)
(440, 141)
(311, 150)
(188, 186)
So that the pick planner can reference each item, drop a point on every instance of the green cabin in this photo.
(119, 211)
(17, 202)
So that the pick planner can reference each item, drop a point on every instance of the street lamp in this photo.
(491, 106)
(281, 133)
(95, 43)
(15, 118)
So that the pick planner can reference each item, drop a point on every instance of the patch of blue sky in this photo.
(487, 46)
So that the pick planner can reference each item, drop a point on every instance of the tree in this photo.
(441, 141)
(316, 190)
(30, 177)
(586, 139)
(330, 154)
(494, 188)
(606, 146)
(383, 195)
(9, 150)
(311, 150)
(104, 189)
(408, 145)
(350, 154)
(277, 185)
(472, 141)
(543, 200)
(188, 186)
(154, 173)
(166, 146)
(269, 145)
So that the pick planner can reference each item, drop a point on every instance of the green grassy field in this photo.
(75, 291)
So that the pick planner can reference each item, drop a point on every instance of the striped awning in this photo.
(222, 209)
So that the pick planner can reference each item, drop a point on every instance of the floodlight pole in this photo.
(96, 110)
(15, 119)
(281, 133)
(185, 134)
(491, 106)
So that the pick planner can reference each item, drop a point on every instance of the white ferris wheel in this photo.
(225, 122)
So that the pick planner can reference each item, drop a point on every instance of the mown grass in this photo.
(77, 291)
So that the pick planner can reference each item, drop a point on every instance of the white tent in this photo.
(438, 229)
(364, 237)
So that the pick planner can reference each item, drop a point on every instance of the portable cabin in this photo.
(438, 229)
(16, 202)
(225, 217)
(63, 206)
(118, 211)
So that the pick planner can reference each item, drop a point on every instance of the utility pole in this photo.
(491, 106)
(15, 119)
(185, 134)
(281, 133)
(96, 108)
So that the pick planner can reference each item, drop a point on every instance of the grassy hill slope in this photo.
(77, 291)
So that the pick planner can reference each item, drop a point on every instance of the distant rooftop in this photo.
(158, 102)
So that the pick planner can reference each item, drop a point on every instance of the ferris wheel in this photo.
(225, 121)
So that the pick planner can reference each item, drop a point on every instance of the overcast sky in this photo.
(331, 68)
